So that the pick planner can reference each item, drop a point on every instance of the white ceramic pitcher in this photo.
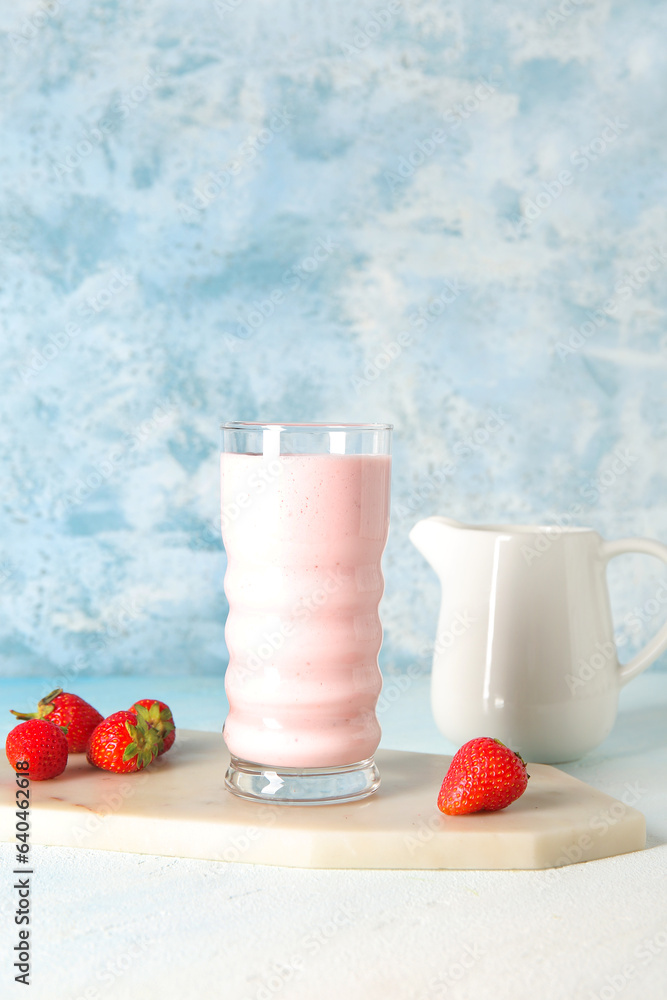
(525, 646)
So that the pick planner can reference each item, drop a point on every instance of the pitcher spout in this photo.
(432, 537)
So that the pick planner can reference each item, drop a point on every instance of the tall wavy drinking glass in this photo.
(305, 517)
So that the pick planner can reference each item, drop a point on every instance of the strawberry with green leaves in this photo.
(159, 717)
(484, 776)
(71, 713)
(41, 745)
(123, 743)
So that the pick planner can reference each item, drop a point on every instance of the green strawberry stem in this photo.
(161, 722)
(44, 707)
(144, 744)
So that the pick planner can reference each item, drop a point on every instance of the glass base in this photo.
(300, 786)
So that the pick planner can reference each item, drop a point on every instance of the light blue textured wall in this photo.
(450, 216)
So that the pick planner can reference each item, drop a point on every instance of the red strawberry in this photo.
(159, 717)
(122, 743)
(42, 744)
(72, 713)
(484, 775)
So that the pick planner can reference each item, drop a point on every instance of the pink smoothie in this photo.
(304, 536)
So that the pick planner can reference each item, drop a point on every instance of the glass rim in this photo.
(240, 425)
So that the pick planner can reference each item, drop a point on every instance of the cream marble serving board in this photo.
(179, 807)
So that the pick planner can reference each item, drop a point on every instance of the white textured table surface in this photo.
(111, 923)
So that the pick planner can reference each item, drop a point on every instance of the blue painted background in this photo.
(450, 216)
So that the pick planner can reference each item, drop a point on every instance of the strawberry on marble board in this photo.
(484, 776)
(70, 712)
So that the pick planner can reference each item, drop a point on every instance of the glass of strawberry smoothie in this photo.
(305, 516)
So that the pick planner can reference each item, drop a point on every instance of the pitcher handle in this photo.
(655, 646)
